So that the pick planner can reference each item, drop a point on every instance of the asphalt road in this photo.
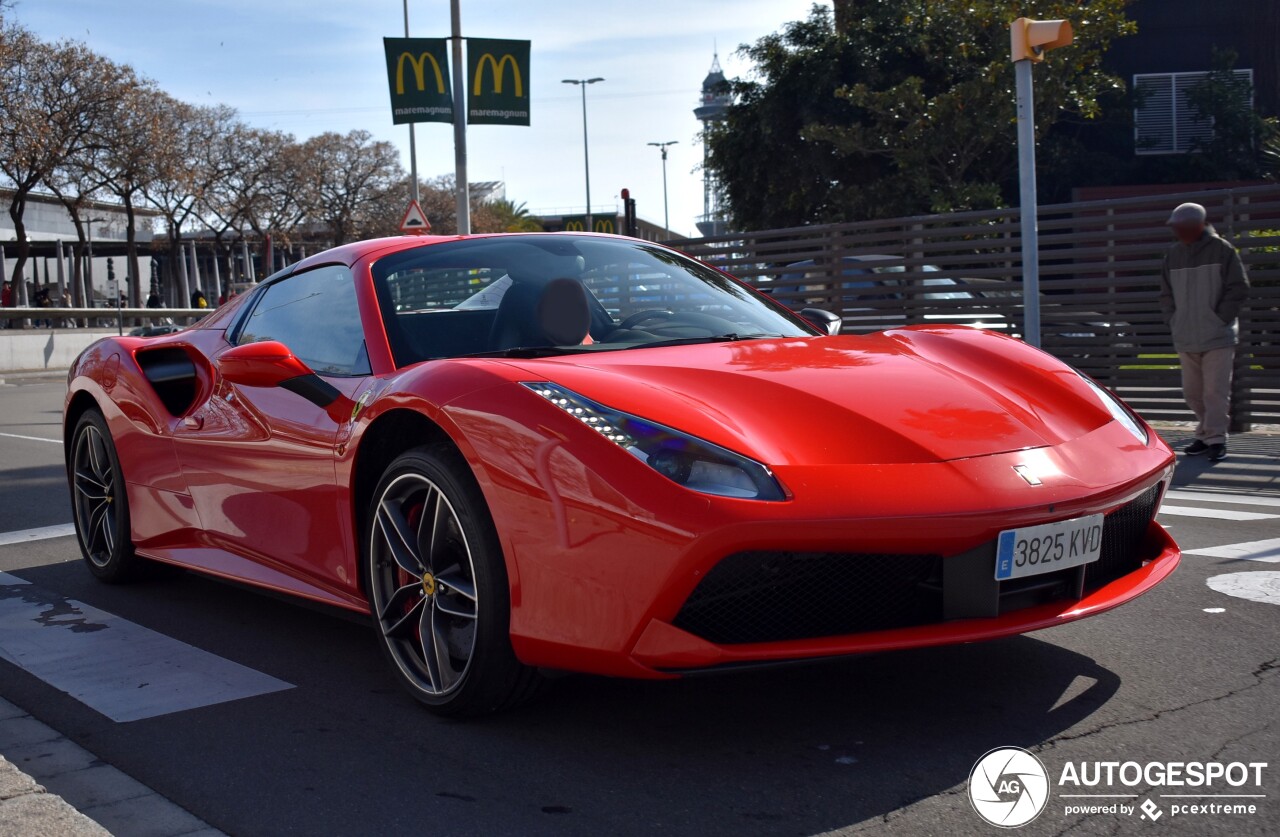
(879, 744)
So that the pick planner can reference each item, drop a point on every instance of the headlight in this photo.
(1118, 410)
(687, 460)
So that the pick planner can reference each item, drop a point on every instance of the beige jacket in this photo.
(1202, 287)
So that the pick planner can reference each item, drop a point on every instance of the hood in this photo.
(927, 395)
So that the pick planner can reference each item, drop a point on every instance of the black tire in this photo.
(434, 567)
(100, 505)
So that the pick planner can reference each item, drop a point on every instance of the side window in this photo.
(315, 314)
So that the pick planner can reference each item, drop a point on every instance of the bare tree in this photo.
(57, 99)
(75, 183)
(344, 176)
(186, 165)
(127, 164)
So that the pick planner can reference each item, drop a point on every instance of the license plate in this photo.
(1033, 550)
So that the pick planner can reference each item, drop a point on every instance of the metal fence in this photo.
(1099, 266)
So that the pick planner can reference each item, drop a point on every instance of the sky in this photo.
(308, 66)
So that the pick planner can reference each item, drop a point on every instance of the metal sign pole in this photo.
(460, 124)
(1027, 204)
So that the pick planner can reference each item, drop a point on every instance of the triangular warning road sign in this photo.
(415, 220)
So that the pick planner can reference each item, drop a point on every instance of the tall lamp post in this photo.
(586, 154)
(666, 214)
(1029, 40)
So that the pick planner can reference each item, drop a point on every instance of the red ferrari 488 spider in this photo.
(591, 453)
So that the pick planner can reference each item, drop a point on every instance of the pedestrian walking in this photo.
(6, 301)
(198, 300)
(1202, 287)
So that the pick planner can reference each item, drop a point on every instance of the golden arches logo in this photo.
(498, 66)
(574, 226)
(419, 66)
(603, 225)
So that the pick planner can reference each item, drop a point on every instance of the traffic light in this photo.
(1031, 39)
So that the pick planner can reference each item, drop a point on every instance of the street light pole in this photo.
(586, 153)
(666, 214)
(1028, 41)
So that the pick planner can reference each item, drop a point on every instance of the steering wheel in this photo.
(642, 316)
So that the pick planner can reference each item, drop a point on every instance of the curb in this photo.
(85, 796)
(27, 808)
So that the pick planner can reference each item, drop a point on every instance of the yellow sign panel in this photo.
(498, 68)
(419, 66)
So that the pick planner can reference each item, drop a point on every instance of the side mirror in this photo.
(825, 320)
(271, 364)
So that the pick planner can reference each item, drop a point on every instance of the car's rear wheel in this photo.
(438, 587)
(99, 502)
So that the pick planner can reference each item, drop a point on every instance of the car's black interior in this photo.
(546, 292)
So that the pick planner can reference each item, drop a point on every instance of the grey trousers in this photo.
(1206, 384)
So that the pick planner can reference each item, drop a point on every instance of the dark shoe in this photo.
(1195, 448)
(1217, 453)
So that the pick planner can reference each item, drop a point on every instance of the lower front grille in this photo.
(1123, 534)
(775, 596)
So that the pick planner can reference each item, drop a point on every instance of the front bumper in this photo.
(666, 648)
(602, 552)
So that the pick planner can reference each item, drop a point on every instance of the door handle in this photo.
(193, 422)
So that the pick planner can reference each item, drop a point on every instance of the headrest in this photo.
(563, 315)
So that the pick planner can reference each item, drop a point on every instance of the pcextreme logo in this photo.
(1009, 787)
(419, 66)
(498, 67)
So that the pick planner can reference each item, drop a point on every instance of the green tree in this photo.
(902, 108)
(513, 217)
(1236, 149)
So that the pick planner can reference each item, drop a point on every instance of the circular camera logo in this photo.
(1008, 787)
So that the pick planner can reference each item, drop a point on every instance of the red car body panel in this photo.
(898, 442)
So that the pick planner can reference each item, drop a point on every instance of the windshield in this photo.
(556, 294)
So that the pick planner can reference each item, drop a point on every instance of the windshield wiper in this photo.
(731, 337)
(530, 351)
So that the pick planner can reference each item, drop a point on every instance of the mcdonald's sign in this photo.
(599, 223)
(418, 77)
(499, 73)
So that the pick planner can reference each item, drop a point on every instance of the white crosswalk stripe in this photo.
(1217, 497)
(39, 534)
(114, 666)
(1267, 551)
(31, 438)
(1219, 514)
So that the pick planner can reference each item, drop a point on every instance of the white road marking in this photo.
(121, 669)
(1255, 586)
(1220, 514)
(40, 534)
(1218, 497)
(1267, 551)
(31, 438)
(1215, 610)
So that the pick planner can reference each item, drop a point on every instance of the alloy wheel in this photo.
(423, 586)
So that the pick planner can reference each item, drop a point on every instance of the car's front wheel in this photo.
(438, 587)
(99, 502)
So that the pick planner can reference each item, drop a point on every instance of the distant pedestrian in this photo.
(43, 301)
(6, 301)
(198, 300)
(1202, 287)
(153, 300)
